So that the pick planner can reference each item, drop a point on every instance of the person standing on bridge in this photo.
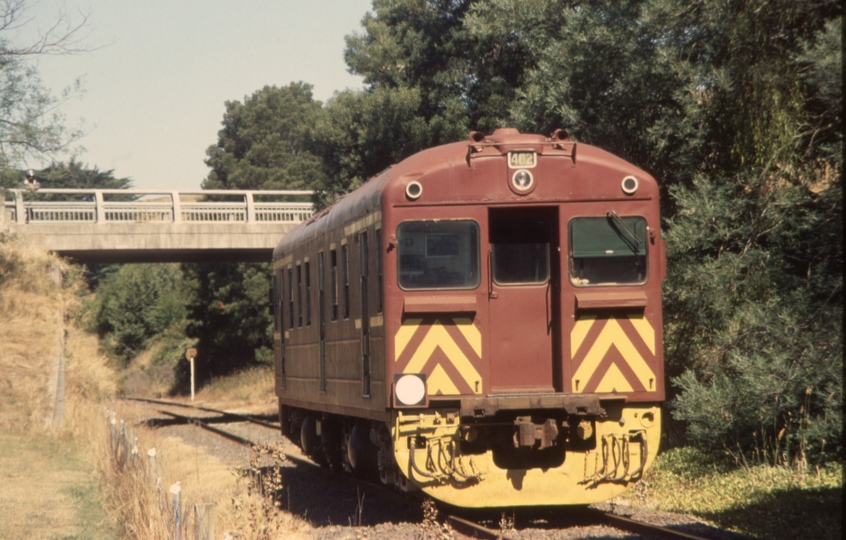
(31, 182)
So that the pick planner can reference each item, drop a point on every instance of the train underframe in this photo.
(490, 453)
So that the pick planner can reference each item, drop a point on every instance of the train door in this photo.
(523, 281)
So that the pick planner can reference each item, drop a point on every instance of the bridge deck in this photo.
(99, 226)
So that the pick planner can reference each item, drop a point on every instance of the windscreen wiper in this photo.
(621, 227)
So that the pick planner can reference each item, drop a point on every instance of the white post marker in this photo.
(190, 354)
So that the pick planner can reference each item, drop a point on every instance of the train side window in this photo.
(608, 250)
(307, 293)
(438, 254)
(290, 298)
(333, 282)
(299, 296)
(345, 279)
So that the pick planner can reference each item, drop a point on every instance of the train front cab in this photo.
(523, 327)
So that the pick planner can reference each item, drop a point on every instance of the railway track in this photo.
(463, 525)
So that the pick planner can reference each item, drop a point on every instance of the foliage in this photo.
(767, 502)
(755, 319)
(137, 304)
(424, 45)
(72, 174)
(360, 134)
(30, 126)
(261, 143)
(737, 110)
(229, 315)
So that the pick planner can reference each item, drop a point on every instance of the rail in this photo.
(150, 206)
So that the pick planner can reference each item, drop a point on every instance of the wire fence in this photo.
(164, 508)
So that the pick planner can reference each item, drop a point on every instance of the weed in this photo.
(776, 502)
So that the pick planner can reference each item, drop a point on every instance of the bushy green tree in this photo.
(754, 318)
(72, 174)
(261, 145)
(136, 304)
(736, 108)
(229, 314)
(361, 133)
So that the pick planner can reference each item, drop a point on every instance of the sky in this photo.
(157, 74)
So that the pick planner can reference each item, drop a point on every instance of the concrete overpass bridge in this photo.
(131, 225)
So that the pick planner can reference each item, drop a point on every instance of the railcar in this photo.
(481, 321)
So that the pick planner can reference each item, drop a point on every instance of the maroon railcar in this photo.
(481, 321)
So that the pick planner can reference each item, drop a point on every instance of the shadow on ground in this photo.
(789, 514)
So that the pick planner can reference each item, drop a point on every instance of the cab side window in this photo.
(609, 250)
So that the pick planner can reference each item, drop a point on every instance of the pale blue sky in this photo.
(160, 71)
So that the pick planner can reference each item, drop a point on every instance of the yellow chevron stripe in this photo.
(439, 381)
(614, 381)
(471, 333)
(612, 334)
(647, 333)
(438, 337)
(409, 326)
(580, 330)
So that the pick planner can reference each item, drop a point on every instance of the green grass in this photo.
(761, 500)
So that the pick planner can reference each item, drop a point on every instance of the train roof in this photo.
(367, 198)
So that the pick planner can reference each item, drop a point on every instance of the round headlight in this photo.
(410, 390)
(629, 185)
(413, 190)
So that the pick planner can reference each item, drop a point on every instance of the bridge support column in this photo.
(177, 207)
(20, 212)
(100, 210)
(251, 208)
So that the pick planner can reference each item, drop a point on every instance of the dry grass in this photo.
(141, 490)
(143, 377)
(53, 475)
(249, 384)
(50, 486)
(140, 486)
(31, 322)
(254, 386)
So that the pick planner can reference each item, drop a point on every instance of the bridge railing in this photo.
(150, 206)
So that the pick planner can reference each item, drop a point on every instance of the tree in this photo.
(30, 125)
(261, 143)
(361, 133)
(737, 109)
(136, 305)
(72, 174)
(462, 80)
(229, 314)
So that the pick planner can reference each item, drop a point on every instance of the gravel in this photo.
(337, 507)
